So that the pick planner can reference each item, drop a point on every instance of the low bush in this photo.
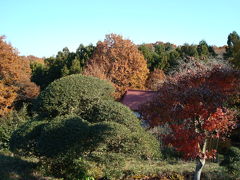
(65, 140)
(9, 123)
(232, 161)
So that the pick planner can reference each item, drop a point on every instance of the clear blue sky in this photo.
(43, 27)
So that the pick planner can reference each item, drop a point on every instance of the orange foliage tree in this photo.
(121, 62)
(7, 97)
(155, 79)
(15, 76)
(192, 104)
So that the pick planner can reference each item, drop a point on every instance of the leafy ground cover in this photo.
(27, 168)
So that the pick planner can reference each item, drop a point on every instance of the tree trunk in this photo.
(200, 162)
(199, 167)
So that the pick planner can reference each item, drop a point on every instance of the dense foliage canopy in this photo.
(121, 63)
(192, 105)
(65, 63)
(72, 94)
(15, 75)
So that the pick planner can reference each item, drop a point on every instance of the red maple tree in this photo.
(192, 103)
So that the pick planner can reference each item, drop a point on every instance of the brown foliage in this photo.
(95, 70)
(7, 97)
(33, 59)
(155, 79)
(120, 62)
(15, 75)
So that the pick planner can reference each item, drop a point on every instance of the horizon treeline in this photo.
(117, 60)
(159, 56)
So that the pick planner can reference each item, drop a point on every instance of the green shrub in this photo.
(64, 134)
(72, 133)
(84, 131)
(66, 139)
(107, 110)
(72, 94)
(9, 123)
(25, 139)
(232, 161)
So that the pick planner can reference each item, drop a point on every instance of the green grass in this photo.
(157, 168)
(12, 168)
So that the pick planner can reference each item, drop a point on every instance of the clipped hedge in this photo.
(25, 139)
(107, 110)
(72, 133)
(72, 94)
(65, 140)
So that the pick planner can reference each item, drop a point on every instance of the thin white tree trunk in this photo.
(199, 167)
(200, 162)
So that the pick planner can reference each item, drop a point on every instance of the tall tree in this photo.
(121, 62)
(232, 39)
(236, 55)
(63, 64)
(15, 76)
(160, 55)
(202, 49)
(192, 104)
(150, 55)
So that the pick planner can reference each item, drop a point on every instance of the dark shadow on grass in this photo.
(12, 168)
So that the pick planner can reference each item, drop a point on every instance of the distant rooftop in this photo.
(135, 98)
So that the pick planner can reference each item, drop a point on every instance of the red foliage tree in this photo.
(192, 104)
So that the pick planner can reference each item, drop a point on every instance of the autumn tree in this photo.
(121, 62)
(7, 97)
(155, 79)
(192, 104)
(15, 76)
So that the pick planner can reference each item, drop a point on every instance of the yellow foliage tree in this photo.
(121, 63)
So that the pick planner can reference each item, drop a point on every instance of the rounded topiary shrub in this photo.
(83, 131)
(65, 140)
(107, 110)
(71, 133)
(25, 139)
(64, 134)
(72, 94)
